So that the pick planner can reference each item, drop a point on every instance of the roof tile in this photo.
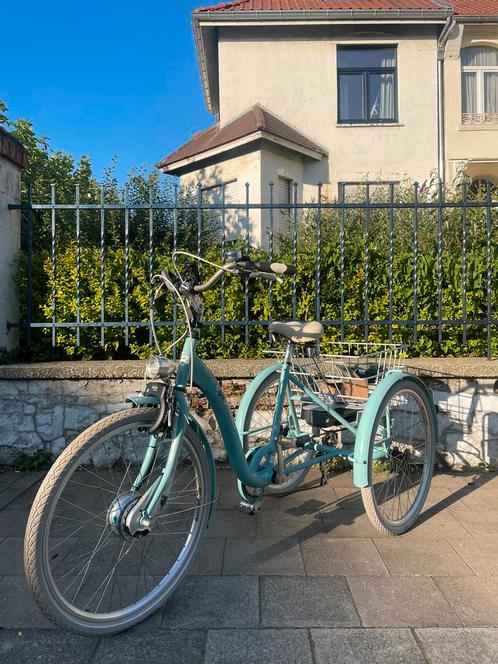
(461, 7)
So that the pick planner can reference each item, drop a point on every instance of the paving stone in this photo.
(474, 599)
(231, 523)
(7, 478)
(344, 479)
(459, 646)
(437, 524)
(455, 481)
(24, 498)
(13, 522)
(478, 522)
(311, 500)
(341, 557)
(468, 515)
(260, 556)
(225, 477)
(482, 498)
(17, 607)
(285, 646)
(11, 556)
(417, 556)
(205, 602)
(8, 497)
(25, 479)
(163, 647)
(358, 646)
(349, 499)
(480, 553)
(394, 602)
(282, 524)
(46, 646)
(348, 523)
(306, 602)
(229, 498)
(209, 558)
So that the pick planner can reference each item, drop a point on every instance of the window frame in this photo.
(366, 72)
(479, 71)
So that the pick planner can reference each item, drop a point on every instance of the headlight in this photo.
(158, 367)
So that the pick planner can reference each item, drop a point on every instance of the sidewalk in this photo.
(327, 587)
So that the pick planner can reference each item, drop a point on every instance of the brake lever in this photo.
(265, 275)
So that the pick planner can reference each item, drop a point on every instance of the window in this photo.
(479, 189)
(366, 84)
(479, 84)
(376, 190)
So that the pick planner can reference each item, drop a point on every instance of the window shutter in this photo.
(283, 196)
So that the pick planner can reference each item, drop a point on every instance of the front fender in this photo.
(361, 468)
(194, 424)
(249, 394)
(141, 400)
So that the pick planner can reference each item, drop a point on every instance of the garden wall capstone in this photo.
(44, 406)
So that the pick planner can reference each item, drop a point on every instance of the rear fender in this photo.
(361, 468)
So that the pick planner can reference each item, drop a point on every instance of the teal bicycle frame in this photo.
(257, 469)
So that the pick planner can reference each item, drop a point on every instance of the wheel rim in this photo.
(259, 422)
(98, 575)
(401, 458)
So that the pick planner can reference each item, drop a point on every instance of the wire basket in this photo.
(349, 373)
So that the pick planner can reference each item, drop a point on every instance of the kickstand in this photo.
(324, 478)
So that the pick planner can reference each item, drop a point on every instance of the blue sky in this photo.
(104, 78)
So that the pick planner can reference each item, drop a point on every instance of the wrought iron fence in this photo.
(357, 238)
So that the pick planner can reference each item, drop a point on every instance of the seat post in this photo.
(288, 353)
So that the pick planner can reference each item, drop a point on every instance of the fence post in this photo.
(12, 161)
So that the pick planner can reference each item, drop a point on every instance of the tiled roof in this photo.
(257, 119)
(476, 7)
(461, 7)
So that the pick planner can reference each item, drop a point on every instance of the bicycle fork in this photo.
(140, 516)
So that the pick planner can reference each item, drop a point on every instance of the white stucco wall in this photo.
(468, 142)
(10, 225)
(293, 73)
(244, 168)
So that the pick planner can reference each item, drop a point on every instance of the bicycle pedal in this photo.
(250, 508)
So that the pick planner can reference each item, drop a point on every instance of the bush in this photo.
(384, 244)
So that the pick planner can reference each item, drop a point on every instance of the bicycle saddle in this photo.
(296, 332)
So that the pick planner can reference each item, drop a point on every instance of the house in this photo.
(341, 92)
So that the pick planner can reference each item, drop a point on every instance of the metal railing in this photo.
(420, 222)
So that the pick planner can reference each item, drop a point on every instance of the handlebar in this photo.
(249, 268)
(243, 266)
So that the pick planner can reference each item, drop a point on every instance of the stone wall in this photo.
(45, 406)
(12, 160)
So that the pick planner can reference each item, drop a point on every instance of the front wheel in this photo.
(86, 571)
(401, 457)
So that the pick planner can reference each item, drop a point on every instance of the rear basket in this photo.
(349, 373)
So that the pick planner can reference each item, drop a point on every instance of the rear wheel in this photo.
(258, 422)
(401, 458)
(85, 569)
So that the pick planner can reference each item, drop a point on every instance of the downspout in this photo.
(441, 45)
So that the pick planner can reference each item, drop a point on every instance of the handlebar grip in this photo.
(274, 268)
